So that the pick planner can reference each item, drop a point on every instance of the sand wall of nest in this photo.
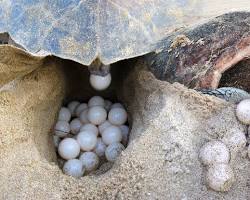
(170, 123)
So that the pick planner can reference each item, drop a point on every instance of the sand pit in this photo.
(169, 123)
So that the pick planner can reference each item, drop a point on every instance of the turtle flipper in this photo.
(231, 94)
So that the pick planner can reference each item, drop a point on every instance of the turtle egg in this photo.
(75, 125)
(107, 105)
(111, 135)
(220, 177)
(236, 141)
(125, 132)
(89, 160)
(68, 148)
(72, 107)
(97, 115)
(243, 111)
(62, 128)
(117, 116)
(89, 127)
(64, 114)
(116, 105)
(56, 140)
(96, 101)
(100, 147)
(113, 151)
(81, 107)
(100, 82)
(103, 126)
(214, 152)
(84, 116)
(73, 168)
(87, 140)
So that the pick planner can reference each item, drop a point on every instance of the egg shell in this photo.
(68, 148)
(73, 167)
(64, 114)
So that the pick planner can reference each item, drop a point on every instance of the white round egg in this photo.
(107, 105)
(96, 101)
(103, 126)
(72, 107)
(100, 147)
(87, 140)
(97, 115)
(73, 167)
(220, 177)
(214, 152)
(89, 160)
(81, 107)
(62, 128)
(243, 111)
(64, 114)
(68, 148)
(117, 116)
(75, 125)
(100, 82)
(113, 151)
(125, 133)
(89, 127)
(116, 105)
(56, 140)
(111, 135)
(84, 116)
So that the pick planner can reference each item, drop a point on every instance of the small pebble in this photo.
(87, 140)
(100, 82)
(68, 148)
(89, 127)
(62, 128)
(73, 167)
(100, 147)
(96, 101)
(89, 160)
(75, 125)
(72, 107)
(113, 151)
(220, 177)
(117, 116)
(64, 114)
(243, 111)
(81, 107)
(97, 115)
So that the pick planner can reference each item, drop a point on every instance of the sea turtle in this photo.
(99, 33)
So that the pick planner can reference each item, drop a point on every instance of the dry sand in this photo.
(169, 125)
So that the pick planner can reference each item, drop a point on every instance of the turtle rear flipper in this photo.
(230, 94)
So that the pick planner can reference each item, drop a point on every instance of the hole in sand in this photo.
(78, 88)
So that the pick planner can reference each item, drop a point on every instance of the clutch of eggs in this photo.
(87, 133)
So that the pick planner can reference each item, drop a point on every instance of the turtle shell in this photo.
(109, 30)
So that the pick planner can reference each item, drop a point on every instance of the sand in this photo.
(169, 125)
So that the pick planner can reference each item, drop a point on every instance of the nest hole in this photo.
(78, 88)
(237, 76)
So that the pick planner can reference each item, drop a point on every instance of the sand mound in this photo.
(169, 125)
